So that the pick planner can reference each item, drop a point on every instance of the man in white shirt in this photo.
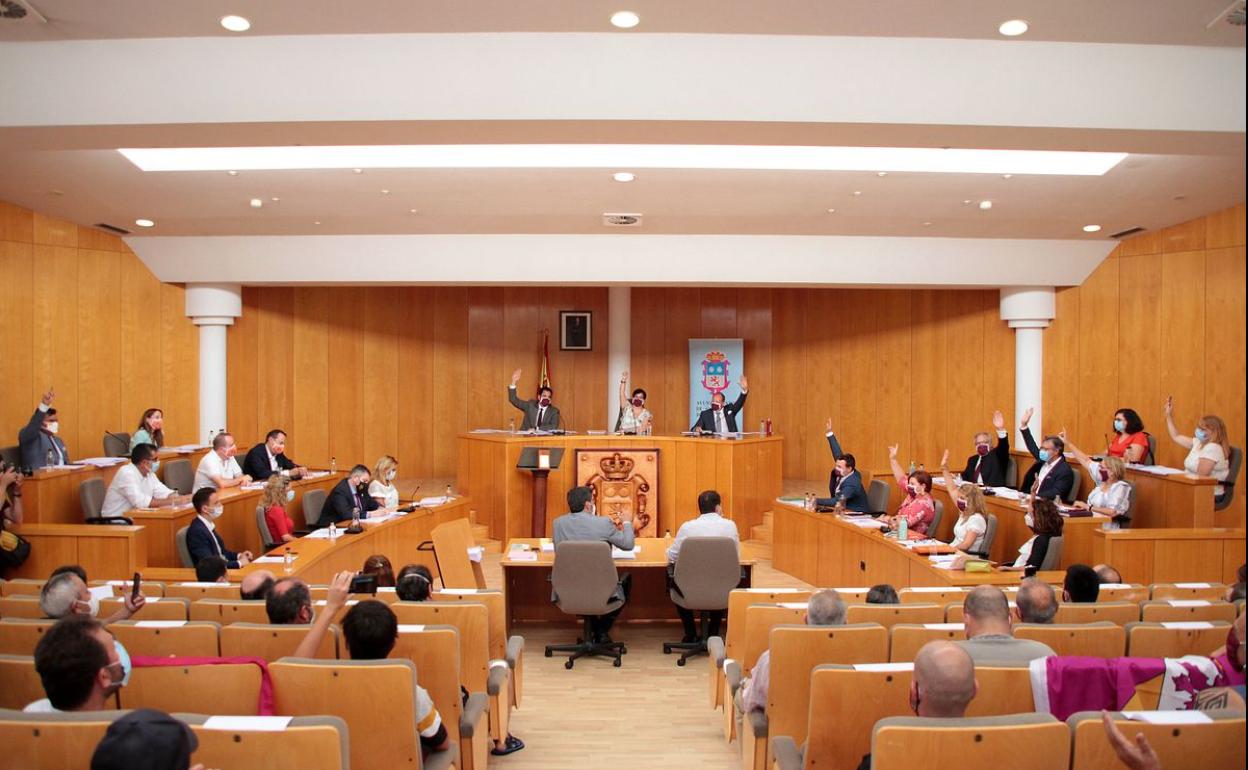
(136, 486)
(219, 469)
(710, 523)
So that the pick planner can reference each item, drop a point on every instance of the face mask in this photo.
(1201, 434)
(214, 512)
(1104, 474)
(544, 401)
(1045, 455)
(53, 428)
(1029, 520)
(962, 506)
(1120, 425)
(591, 509)
(911, 491)
(716, 406)
(155, 465)
(981, 450)
(123, 657)
(362, 486)
(390, 476)
(290, 495)
(637, 402)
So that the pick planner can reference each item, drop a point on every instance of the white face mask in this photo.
(290, 495)
(93, 605)
(214, 512)
(1029, 520)
(53, 427)
(390, 476)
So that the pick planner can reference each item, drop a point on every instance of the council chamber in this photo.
(527, 385)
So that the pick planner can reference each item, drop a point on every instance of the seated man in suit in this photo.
(710, 523)
(582, 524)
(987, 466)
(269, 457)
(845, 482)
(38, 441)
(721, 418)
(202, 538)
(347, 497)
(539, 413)
(1051, 477)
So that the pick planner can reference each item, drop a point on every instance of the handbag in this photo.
(14, 549)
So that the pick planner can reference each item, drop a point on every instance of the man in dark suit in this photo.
(722, 416)
(845, 482)
(347, 496)
(269, 457)
(987, 466)
(202, 539)
(39, 444)
(1050, 477)
(539, 413)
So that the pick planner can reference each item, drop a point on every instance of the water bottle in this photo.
(333, 530)
(51, 458)
(449, 494)
(355, 518)
(288, 562)
(333, 465)
(903, 528)
(912, 466)
(511, 425)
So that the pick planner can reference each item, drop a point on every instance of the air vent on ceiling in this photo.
(112, 229)
(11, 9)
(621, 220)
(1128, 232)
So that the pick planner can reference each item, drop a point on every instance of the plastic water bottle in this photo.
(333, 530)
(333, 465)
(449, 494)
(912, 466)
(288, 562)
(51, 458)
(511, 425)
(903, 528)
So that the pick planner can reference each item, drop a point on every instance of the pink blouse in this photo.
(918, 511)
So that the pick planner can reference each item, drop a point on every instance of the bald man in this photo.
(1036, 602)
(1108, 574)
(989, 636)
(256, 586)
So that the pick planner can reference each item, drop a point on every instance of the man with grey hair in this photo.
(989, 637)
(65, 594)
(826, 608)
(1036, 602)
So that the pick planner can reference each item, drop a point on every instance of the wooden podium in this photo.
(539, 461)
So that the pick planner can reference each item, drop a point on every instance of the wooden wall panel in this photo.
(244, 374)
(138, 340)
(179, 368)
(16, 319)
(99, 349)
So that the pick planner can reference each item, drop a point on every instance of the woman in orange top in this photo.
(277, 495)
(1130, 441)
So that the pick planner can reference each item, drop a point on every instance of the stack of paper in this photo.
(272, 559)
(430, 502)
(515, 555)
(616, 553)
(1158, 470)
(102, 462)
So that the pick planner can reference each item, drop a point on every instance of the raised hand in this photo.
(745, 385)
(829, 425)
(998, 420)
(944, 458)
(1062, 434)
(892, 451)
(1168, 407)
(338, 590)
(1022, 425)
(1138, 755)
(515, 377)
(47, 397)
(623, 378)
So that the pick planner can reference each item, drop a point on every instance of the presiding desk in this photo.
(1172, 555)
(50, 496)
(527, 586)
(237, 524)
(745, 471)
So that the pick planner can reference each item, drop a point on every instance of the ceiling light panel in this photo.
(728, 157)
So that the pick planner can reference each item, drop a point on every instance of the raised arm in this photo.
(1002, 449)
(511, 391)
(336, 600)
(833, 444)
(745, 387)
(624, 391)
(1027, 437)
(951, 484)
(1080, 457)
(899, 473)
(1175, 436)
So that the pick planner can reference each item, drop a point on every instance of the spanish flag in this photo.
(544, 380)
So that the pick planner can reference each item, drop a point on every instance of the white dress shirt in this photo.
(721, 422)
(130, 489)
(707, 525)
(272, 460)
(212, 465)
(388, 493)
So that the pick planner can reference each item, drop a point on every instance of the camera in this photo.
(363, 584)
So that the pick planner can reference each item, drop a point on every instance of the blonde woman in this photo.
(1209, 449)
(1111, 495)
(382, 488)
(277, 496)
(972, 524)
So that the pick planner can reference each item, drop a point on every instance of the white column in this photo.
(619, 345)
(1028, 311)
(212, 307)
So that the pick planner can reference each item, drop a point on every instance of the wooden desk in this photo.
(746, 473)
(237, 524)
(318, 560)
(1172, 555)
(1176, 501)
(51, 496)
(823, 550)
(103, 551)
(526, 584)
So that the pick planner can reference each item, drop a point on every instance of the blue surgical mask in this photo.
(1120, 425)
(124, 657)
(290, 495)
(1045, 455)
(155, 465)
(1202, 434)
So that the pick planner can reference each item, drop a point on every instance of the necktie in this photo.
(541, 411)
(979, 471)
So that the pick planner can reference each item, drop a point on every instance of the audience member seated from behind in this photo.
(379, 566)
(371, 629)
(1209, 448)
(1050, 476)
(269, 458)
(146, 739)
(79, 665)
(37, 441)
(1082, 585)
(1235, 592)
(1111, 494)
(825, 609)
(66, 594)
(988, 465)
(348, 498)
(135, 485)
(942, 685)
(883, 594)
(845, 482)
(581, 524)
(276, 497)
(972, 524)
(917, 508)
(1045, 523)
(211, 569)
(219, 468)
(415, 583)
(256, 585)
(289, 602)
(151, 429)
(1036, 602)
(1108, 575)
(202, 538)
(710, 523)
(989, 636)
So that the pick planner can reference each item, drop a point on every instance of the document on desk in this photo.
(431, 502)
(617, 553)
(319, 534)
(102, 462)
(866, 522)
(186, 449)
(1007, 493)
(1157, 470)
(272, 559)
(515, 555)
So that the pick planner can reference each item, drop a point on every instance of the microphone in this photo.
(124, 440)
(414, 491)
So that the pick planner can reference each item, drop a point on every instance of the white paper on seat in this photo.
(160, 623)
(945, 626)
(476, 553)
(1188, 602)
(152, 599)
(1169, 717)
(883, 666)
(386, 589)
(1115, 585)
(410, 628)
(323, 602)
(794, 605)
(1193, 585)
(931, 589)
(248, 724)
(455, 591)
(200, 584)
(1187, 624)
(856, 590)
(101, 592)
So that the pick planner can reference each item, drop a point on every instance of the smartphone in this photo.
(134, 589)
(363, 584)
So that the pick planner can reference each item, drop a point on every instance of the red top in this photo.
(918, 511)
(1118, 447)
(278, 522)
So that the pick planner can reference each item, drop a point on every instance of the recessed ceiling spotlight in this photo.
(623, 176)
(857, 192)
(985, 205)
(967, 202)
(144, 223)
(232, 173)
(1007, 176)
(1013, 27)
(413, 211)
(317, 222)
(625, 19)
(256, 203)
(831, 211)
(57, 193)
(1091, 228)
(235, 23)
(881, 173)
(385, 192)
(358, 170)
(927, 224)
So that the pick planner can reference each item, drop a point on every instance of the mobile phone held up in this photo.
(363, 584)
(134, 589)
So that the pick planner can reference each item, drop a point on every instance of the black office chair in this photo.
(116, 444)
(877, 496)
(91, 495)
(1232, 474)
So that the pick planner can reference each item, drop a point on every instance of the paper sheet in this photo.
(794, 605)
(945, 626)
(410, 628)
(101, 592)
(1187, 624)
(458, 591)
(1188, 603)
(522, 555)
(884, 667)
(1169, 717)
(101, 462)
(160, 624)
(931, 589)
(476, 553)
(272, 559)
(1193, 585)
(617, 553)
(248, 724)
